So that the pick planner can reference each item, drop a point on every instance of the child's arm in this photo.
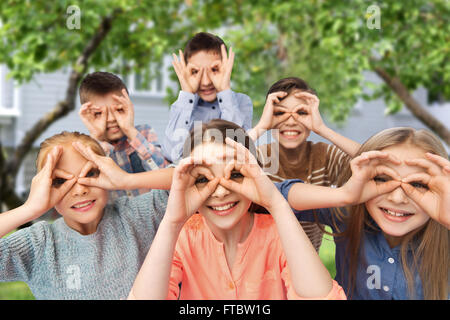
(359, 188)
(309, 276)
(431, 189)
(309, 115)
(44, 194)
(112, 177)
(152, 281)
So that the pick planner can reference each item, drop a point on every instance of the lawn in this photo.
(20, 290)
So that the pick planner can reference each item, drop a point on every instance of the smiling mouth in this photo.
(396, 213)
(207, 91)
(290, 134)
(83, 206)
(224, 209)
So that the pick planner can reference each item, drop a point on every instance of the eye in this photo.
(201, 180)
(57, 182)
(120, 110)
(194, 71)
(97, 114)
(381, 179)
(419, 185)
(302, 112)
(235, 175)
(215, 69)
(278, 113)
(93, 173)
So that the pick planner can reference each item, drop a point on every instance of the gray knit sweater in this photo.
(59, 263)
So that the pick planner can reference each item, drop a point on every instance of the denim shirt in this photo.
(190, 108)
(379, 274)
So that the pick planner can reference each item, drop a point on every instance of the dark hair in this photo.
(291, 84)
(203, 41)
(100, 83)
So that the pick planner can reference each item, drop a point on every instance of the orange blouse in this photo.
(260, 270)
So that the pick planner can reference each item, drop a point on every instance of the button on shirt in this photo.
(379, 274)
(190, 108)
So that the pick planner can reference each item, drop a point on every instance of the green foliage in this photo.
(328, 43)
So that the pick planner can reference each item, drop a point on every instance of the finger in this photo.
(441, 161)
(182, 61)
(381, 169)
(197, 171)
(224, 54)
(184, 165)
(307, 95)
(86, 152)
(412, 192)
(90, 182)
(63, 189)
(209, 188)
(229, 167)
(418, 177)
(86, 168)
(62, 174)
(428, 165)
(387, 187)
(231, 185)
(230, 62)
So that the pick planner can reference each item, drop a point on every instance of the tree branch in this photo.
(414, 106)
(65, 106)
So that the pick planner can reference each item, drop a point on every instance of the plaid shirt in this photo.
(147, 148)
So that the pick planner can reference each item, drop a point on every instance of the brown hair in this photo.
(65, 138)
(100, 83)
(430, 244)
(289, 85)
(203, 41)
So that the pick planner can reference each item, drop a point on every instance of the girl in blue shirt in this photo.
(394, 243)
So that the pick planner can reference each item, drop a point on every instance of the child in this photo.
(95, 250)
(108, 113)
(227, 251)
(394, 245)
(204, 71)
(292, 112)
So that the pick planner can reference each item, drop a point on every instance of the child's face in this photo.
(113, 130)
(395, 213)
(205, 59)
(224, 208)
(82, 207)
(291, 133)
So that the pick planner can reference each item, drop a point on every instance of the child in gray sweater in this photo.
(95, 250)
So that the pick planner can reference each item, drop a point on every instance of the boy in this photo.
(292, 112)
(108, 114)
(204, 71)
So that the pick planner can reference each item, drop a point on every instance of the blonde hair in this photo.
(65, 138)
(430, 244)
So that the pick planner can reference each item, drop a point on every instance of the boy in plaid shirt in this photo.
(108, 114)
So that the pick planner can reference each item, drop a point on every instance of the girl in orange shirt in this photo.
(227, 251)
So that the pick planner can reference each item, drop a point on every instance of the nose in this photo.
(220, 192)
(205, 80)
(398, 196)
(110, 115)
(79, 190)
(291, 120)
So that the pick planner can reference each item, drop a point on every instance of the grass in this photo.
(20, 290)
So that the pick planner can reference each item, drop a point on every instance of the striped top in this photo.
(315, 163)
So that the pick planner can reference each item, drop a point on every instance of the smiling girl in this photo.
(395, 243)
(227, 251)
(95, 250)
